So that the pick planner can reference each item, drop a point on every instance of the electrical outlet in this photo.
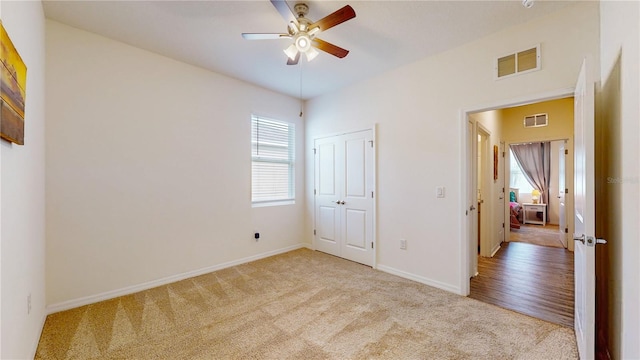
(403, 244)
(29, 304)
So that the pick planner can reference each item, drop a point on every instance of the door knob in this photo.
(338, 202)
(472, 208)
(342, 202)
(578, 238)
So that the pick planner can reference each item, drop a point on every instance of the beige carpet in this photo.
(548, 235)
(299, 305)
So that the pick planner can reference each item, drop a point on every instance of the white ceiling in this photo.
(384, 34)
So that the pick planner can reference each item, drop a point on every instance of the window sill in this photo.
(272, 203)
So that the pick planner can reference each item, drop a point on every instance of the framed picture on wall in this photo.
(13, 81)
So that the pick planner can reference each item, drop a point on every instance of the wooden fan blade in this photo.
(329, 48)
(294, 61)
(263, 36)
(285, 11)
(336, 18)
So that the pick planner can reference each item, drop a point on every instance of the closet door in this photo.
(327, 195)
(344, 196)
(357, 201)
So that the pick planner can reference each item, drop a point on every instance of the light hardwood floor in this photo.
(529, 279)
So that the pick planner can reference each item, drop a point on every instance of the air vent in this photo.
(536, 120)
(518, 63)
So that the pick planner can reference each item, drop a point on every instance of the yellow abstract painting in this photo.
(13, 81)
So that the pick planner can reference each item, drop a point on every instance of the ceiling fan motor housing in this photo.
(301, 9)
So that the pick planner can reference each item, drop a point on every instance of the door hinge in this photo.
(503, 225)
(372, 245)
(314, 231)
(566, 191)
(371, 142)
(566, 230)
(503, 190)
(372, 194)
(314, 151)
(503, 154)
(314, 191)
(566, 151)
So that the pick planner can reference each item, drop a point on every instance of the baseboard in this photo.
(495, 250)
(70, 304)
(420, 279)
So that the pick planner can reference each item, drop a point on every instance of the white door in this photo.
(327, 196)
(344, 196)
(584, 214)
(561, 194)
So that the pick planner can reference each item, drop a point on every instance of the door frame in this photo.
(486, 220)
(507, 183)
(466, 164)
(374, 236)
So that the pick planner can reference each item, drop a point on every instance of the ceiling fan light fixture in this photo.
(303, 31)
(311, 54)
(303, 43)
(291, 51)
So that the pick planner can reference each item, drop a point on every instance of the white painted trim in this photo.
(420, 279)
(464, 286)
(91, 299)
(520, 101)
(486, 159)
(495, 250)
(465, 260)
(374, 130)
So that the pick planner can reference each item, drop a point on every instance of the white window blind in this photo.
(272, 161)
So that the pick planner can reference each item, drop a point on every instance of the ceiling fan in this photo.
(303, 31)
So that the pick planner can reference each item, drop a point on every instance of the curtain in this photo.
(535, 161)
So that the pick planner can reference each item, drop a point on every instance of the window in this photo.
(517, 179)
(272, 161)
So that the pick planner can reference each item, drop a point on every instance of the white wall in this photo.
(619, 184)
(148, 169)
(418, 111)
(22, 194)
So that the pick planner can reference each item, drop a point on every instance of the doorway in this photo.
(512, 255)
(529, 225)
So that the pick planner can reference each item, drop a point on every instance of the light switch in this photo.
(440, 191)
